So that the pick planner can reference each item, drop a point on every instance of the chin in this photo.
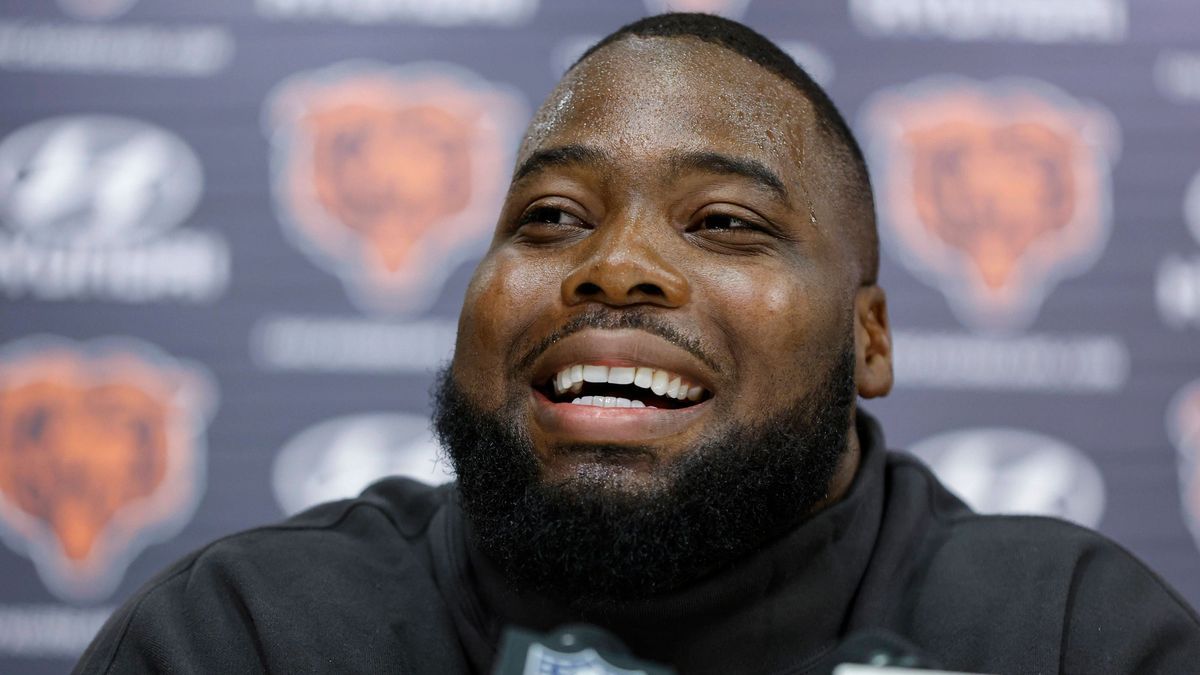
(611, 477)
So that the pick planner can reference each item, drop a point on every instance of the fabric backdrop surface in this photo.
(235, 234)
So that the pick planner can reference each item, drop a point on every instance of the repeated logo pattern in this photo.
(992, 192)
(390, 176)
(101, 453)
(998, 194)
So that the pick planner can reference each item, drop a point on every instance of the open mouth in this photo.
(621, 387)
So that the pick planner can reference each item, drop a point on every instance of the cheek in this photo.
(781, 323)
(759, 304)
(505, 296)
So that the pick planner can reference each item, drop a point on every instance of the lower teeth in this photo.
(609, 402)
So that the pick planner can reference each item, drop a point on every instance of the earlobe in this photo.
(872, 343)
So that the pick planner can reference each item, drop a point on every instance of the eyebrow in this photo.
(744, 167)
(711, 162)
(561, 156)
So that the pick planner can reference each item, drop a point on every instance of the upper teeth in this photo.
(661, 382)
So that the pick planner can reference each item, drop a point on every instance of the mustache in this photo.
(607, 319)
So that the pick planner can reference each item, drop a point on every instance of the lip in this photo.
(624, 347)
(622, 425)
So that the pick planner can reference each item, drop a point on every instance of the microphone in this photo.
(575, 649)
(583, 649)
(879, 652)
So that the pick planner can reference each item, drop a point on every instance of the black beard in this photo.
(590, 541)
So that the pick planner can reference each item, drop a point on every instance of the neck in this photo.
(847, 469)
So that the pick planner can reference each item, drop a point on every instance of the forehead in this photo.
(645, 98)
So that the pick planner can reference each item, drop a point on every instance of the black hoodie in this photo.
(389, 582)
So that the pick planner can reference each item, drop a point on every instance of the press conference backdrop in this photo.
(235, 234)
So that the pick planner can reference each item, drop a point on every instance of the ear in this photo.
(872, 343)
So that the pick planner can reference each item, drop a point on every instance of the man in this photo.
(652, 415)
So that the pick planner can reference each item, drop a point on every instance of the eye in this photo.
(728, 228)
(545, 224)
(724, 221)
(548, 215)
(728, 222)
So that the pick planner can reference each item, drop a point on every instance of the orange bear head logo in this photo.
(991, 193)
(101, 453)
(389, 177)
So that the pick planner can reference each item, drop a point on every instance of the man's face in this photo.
(661, 226)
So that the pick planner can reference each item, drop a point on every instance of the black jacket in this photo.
(388, 582)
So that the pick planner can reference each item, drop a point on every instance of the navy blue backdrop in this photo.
(234, 236)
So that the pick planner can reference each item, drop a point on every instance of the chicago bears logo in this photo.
(101, 454)
(389, 177)
(999, 470)
(992, 192)
(1183, 427)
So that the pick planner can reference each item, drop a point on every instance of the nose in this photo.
(624, 266)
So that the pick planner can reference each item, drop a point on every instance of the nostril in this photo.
(650, 289)
(588, 288)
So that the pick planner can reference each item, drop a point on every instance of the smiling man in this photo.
(652, 415)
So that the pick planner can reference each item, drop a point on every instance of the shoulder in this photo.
(1040, 548)
(386, 525)
(395, 512)
(316, 576)
(1009, 554)
(1072, 596)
